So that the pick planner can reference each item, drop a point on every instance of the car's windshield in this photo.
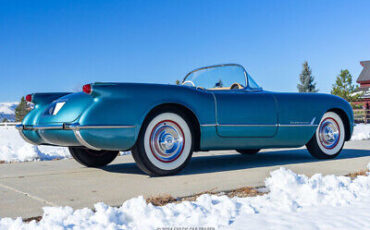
(220, 77)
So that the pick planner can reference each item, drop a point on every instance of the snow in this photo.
(8, 107)
(319, 202)
(361, 132)
(7, 110)
(14, 149)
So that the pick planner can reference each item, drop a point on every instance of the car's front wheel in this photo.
(165, 143)
(329, 137)
(92, 158)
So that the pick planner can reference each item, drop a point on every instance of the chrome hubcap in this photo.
(329, 133)
(167, 141)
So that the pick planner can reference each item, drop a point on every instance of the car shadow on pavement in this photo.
(228, 162)
(208, 164)
(126, 168)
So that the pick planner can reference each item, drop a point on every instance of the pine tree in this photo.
(178, 82)
(307, 84)
(219, 84)
(344, 87)
(22, 109)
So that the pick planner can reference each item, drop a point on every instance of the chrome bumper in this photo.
(75, 127)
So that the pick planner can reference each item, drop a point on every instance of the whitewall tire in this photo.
(165, 143)
(329, 137)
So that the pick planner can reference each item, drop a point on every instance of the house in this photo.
(364, 81)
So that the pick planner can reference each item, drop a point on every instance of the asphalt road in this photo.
(27, 187)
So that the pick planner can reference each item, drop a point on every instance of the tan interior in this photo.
(233, 86)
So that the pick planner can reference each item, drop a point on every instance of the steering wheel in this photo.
(188, 81)
(236, 86)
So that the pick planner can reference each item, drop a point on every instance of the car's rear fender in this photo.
(40, 101)
(40, 127)
(127, 105)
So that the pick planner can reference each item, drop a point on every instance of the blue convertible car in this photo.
(216, 108)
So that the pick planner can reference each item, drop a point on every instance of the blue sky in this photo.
(59, 45)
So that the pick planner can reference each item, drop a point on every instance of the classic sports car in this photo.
(216, 108)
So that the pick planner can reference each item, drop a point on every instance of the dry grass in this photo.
(36, 218)
(245, 192)
(160, 200)
(2, 162)
(240, 192)
(358, 173)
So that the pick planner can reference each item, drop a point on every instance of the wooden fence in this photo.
(361, 115)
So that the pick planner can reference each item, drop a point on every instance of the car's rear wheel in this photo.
(248, 151)
(92, 158)
(165, 143)
(329, 137)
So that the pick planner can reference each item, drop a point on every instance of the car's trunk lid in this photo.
(66, 109)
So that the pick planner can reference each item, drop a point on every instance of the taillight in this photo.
(87, 88)
(29, 98)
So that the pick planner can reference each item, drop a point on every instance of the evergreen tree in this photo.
(178, 82)
(219, 84)
(344, 87)
(4, 120)
(22, 109)
(307, 84)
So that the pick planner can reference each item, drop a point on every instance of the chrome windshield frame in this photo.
(222, 65)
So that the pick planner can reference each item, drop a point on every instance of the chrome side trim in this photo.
(38, 127)
(78, 127)
(72, 127)
(208, 125)
(248, 125)
(313, 121)
(297, 125)
(258, 125)
(82, 141)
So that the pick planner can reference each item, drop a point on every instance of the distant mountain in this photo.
(7, 110)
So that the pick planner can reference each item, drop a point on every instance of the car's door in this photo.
(244, 113)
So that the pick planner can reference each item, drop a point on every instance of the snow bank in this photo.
(295, 201)
(14, 149)
(361, 132)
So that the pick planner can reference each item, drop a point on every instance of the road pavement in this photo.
(27, 187)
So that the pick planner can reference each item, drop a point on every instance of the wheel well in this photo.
(195, 126)
(346, 122)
